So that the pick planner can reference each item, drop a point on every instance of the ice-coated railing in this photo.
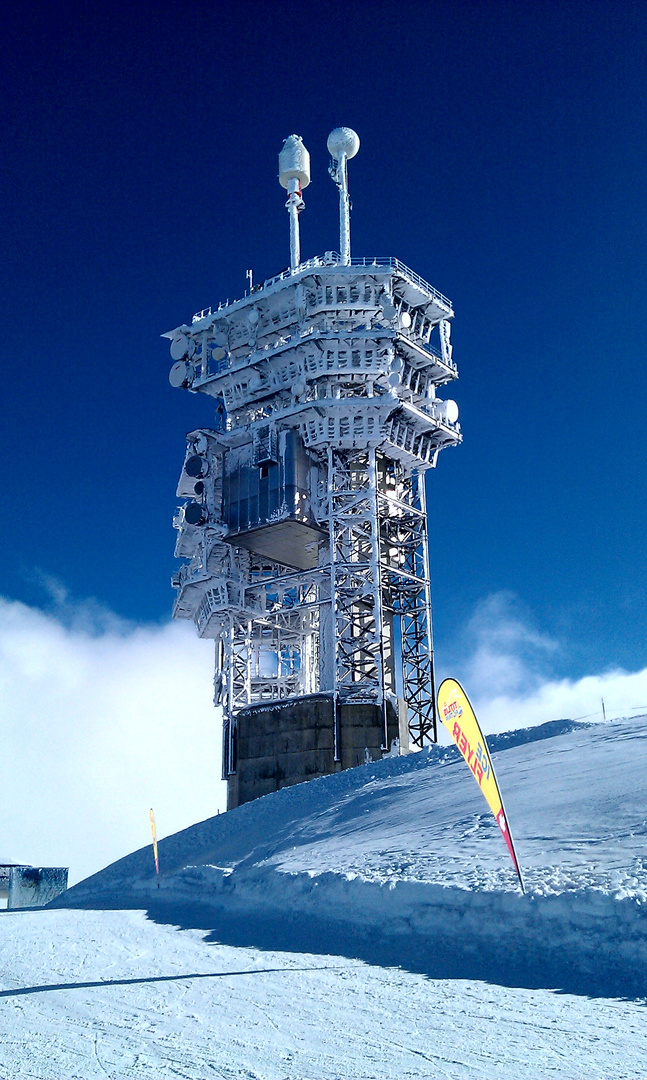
(332, 258)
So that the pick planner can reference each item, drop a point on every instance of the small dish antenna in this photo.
(448, 411)
(294, 175)
(343, 144)
(180, 347)
(180, 374)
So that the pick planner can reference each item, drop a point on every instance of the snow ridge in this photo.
(401, 859)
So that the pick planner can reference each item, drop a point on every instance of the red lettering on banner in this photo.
(456, 732)
(470, 755)
(463, 744)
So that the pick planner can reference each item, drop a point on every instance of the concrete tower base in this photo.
(285, 743)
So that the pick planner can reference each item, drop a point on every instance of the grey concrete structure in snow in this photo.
(31, 886)
(285, 743)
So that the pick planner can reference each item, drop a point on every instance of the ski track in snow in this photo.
(218, 1011)
(367, 925)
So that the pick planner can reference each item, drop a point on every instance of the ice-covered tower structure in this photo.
(303, 527)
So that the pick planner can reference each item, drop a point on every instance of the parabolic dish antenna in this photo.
(179, 373)
(195, 514)
(179, 346)
(449, 411)
(196, 466)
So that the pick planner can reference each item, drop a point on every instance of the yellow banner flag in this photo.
(460, 720)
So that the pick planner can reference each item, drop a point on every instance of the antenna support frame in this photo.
(295, 205)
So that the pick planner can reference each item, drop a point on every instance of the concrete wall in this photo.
(5, 870)
(278, 745)
(35, 886)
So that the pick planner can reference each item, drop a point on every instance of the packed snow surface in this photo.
(368, 924)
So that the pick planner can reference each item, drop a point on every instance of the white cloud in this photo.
(506, 654)
(624, 694)
(100, 721)
(506, 671)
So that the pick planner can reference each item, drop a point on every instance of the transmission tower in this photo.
(303, 528)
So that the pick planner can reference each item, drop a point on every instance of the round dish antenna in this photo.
(180, 374)
(180, 347)
(448, 410)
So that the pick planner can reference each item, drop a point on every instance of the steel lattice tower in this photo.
(304, 526)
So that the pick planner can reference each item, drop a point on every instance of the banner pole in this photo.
(458, 716)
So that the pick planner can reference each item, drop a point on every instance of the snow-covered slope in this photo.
(408, 847)
(364, 925)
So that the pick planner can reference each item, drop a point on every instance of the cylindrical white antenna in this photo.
(294, 175)
(343, 143)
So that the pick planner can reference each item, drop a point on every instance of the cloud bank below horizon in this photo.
(103, 719)
(506, 666)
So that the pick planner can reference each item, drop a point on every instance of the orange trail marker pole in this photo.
(157, 864)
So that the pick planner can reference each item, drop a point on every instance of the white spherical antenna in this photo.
(343, 142)
(405, 320)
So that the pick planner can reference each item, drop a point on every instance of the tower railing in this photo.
(333, 258)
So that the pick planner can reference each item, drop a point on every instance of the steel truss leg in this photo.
(355, 576)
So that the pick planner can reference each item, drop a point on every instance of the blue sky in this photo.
(503, 158)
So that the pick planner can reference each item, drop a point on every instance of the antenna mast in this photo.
(294, 175)
(343, 143)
